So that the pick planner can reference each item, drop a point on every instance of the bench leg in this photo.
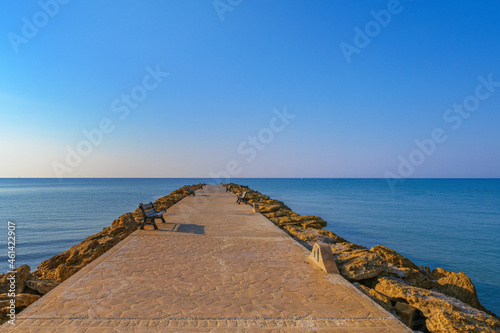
(152, 223)
(162, 219)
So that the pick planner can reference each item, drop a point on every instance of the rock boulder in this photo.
(42, 286)
(358, 264)
(21, 275)
(457, 285)
(442, 313)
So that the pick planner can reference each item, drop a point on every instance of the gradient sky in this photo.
(226, 76)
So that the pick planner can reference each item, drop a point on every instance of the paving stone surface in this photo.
(214, 266)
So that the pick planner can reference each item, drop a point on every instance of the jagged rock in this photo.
(457, 285)
(22, 274)
(163, 204)
(425, 269)
(124, 224)
(279, 213)
(412, 277)
(311, 221)
(442, 313)
(405, 312)
(393, 257)
(22, 300)
(330, 237)
(345, 246)
(287, 220)
(42, 286)
(358, 264)
(270, 208)
(403, 267)
(312, 225)
(417, 278)
(303, 234)
(305, 221)
(381, 299)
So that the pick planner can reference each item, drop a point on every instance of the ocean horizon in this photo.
(437, 222)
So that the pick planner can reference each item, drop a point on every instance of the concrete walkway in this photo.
(215, 266)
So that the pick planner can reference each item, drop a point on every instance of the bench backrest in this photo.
(243, 195)
(146, 208)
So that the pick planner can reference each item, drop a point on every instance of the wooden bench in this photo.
(242, 198)
(228, 188)
(191, 192)
(149, 213)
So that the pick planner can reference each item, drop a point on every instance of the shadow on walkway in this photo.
(191, 229)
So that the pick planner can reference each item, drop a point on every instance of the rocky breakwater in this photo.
(30, 286)
(424, 300)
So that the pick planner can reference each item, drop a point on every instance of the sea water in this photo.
(448, 223)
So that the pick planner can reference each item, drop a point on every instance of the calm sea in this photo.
(449, 223)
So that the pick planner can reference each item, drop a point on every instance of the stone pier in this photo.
(214, 266)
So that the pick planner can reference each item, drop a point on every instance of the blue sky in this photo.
(232, 67)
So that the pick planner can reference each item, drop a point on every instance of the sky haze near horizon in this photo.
(250, 88)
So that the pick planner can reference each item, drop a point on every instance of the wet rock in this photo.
(457, 285)
(442, 313)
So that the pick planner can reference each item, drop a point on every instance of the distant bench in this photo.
(149, 215)
(191, 192)
(242, 198)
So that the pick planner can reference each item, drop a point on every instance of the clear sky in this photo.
(252, 88)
